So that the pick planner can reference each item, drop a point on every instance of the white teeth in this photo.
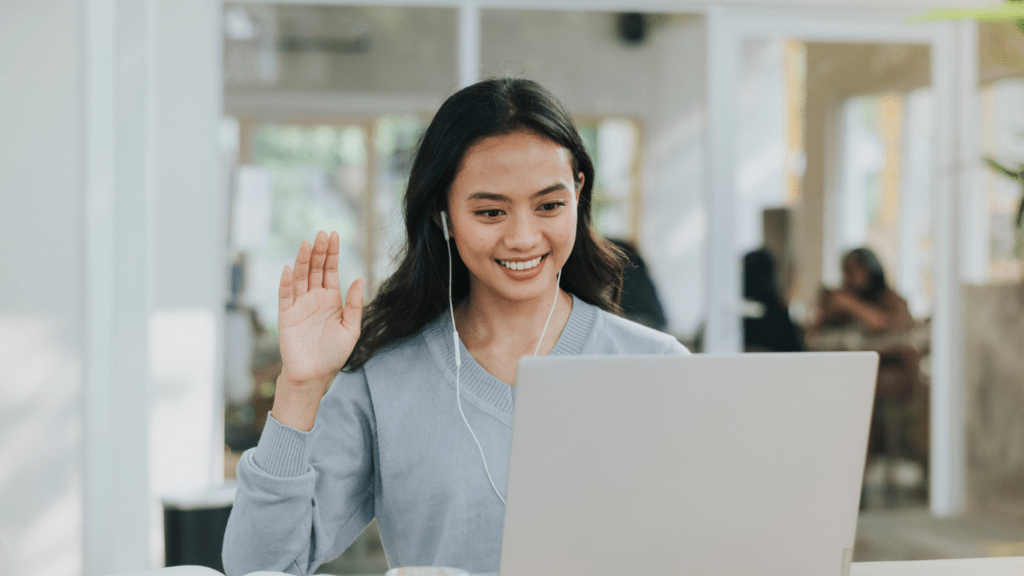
(521, 265)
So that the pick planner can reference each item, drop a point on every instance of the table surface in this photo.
(1007, 566)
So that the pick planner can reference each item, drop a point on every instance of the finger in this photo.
(300, 276)
(331, 280)
(316, 265)
(353, 315)
(284, 291)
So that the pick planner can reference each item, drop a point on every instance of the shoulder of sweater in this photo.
(346, 388)
(616, 335)
(403, 356)
(398, 351)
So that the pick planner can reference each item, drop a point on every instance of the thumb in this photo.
(352, 317)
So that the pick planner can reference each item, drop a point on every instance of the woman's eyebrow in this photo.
(495, 197)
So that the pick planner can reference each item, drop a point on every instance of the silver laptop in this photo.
(736, 465)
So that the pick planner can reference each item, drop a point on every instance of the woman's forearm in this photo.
(872, 317)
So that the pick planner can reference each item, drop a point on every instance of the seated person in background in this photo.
(639, 299)
(864, 299)
(767, 326)
(866, 302)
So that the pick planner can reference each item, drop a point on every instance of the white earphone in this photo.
(458, 352)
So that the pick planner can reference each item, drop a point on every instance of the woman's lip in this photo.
(499, 260)
(528, 274)
(542, 257)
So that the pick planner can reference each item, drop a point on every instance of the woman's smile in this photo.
(522, 271)
(521, 264)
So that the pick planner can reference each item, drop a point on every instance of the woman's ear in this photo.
(442, 221)
(579, 186)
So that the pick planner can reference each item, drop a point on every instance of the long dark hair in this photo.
(876, 275)
(418, 289)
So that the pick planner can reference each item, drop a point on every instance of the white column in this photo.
(118, 207)
(469, 42)
(955, 81)
(851, 218)
(190, 236)
(723, 331)
(975, 236)
(915, 200)
(833, 192)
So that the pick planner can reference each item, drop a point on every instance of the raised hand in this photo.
(317, 330)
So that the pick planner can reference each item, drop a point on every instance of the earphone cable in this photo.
(458, 350)
(558, 280)
(458, 362)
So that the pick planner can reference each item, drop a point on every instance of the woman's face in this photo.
(513, 215)
(855, 276)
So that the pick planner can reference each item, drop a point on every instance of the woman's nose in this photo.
(523, 232)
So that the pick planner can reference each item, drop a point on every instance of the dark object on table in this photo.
(767, 326)
(194, 525)
(639, 300)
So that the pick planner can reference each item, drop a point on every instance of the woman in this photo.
(416, 428)
(865, 298)
(867, 302)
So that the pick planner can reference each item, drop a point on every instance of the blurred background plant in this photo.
(1009, 11)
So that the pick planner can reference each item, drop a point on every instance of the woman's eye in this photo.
(551, 206)
(489, 213)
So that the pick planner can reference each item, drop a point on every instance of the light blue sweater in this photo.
(389, 443)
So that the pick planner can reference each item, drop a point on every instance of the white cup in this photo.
(426, 571)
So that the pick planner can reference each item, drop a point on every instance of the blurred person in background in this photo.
(767, 326)
(867, 305)
(639, 300)
(865, 298)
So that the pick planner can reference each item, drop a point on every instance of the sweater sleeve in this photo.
(303, 497)
(674, 347)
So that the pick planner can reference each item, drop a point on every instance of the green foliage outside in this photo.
(288, 152)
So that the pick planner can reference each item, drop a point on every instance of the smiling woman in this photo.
(415, 430)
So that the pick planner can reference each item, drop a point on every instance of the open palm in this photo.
(317, 330)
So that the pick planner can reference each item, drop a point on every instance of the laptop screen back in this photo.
(714, 465)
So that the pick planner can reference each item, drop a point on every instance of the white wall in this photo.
(40, 289)
(110, 185)
(410, 50)
(576, 55)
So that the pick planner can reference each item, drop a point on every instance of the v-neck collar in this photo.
(475, 382)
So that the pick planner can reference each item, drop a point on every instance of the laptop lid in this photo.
(714, 465)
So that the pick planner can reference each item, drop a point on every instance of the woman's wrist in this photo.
(296, 403)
